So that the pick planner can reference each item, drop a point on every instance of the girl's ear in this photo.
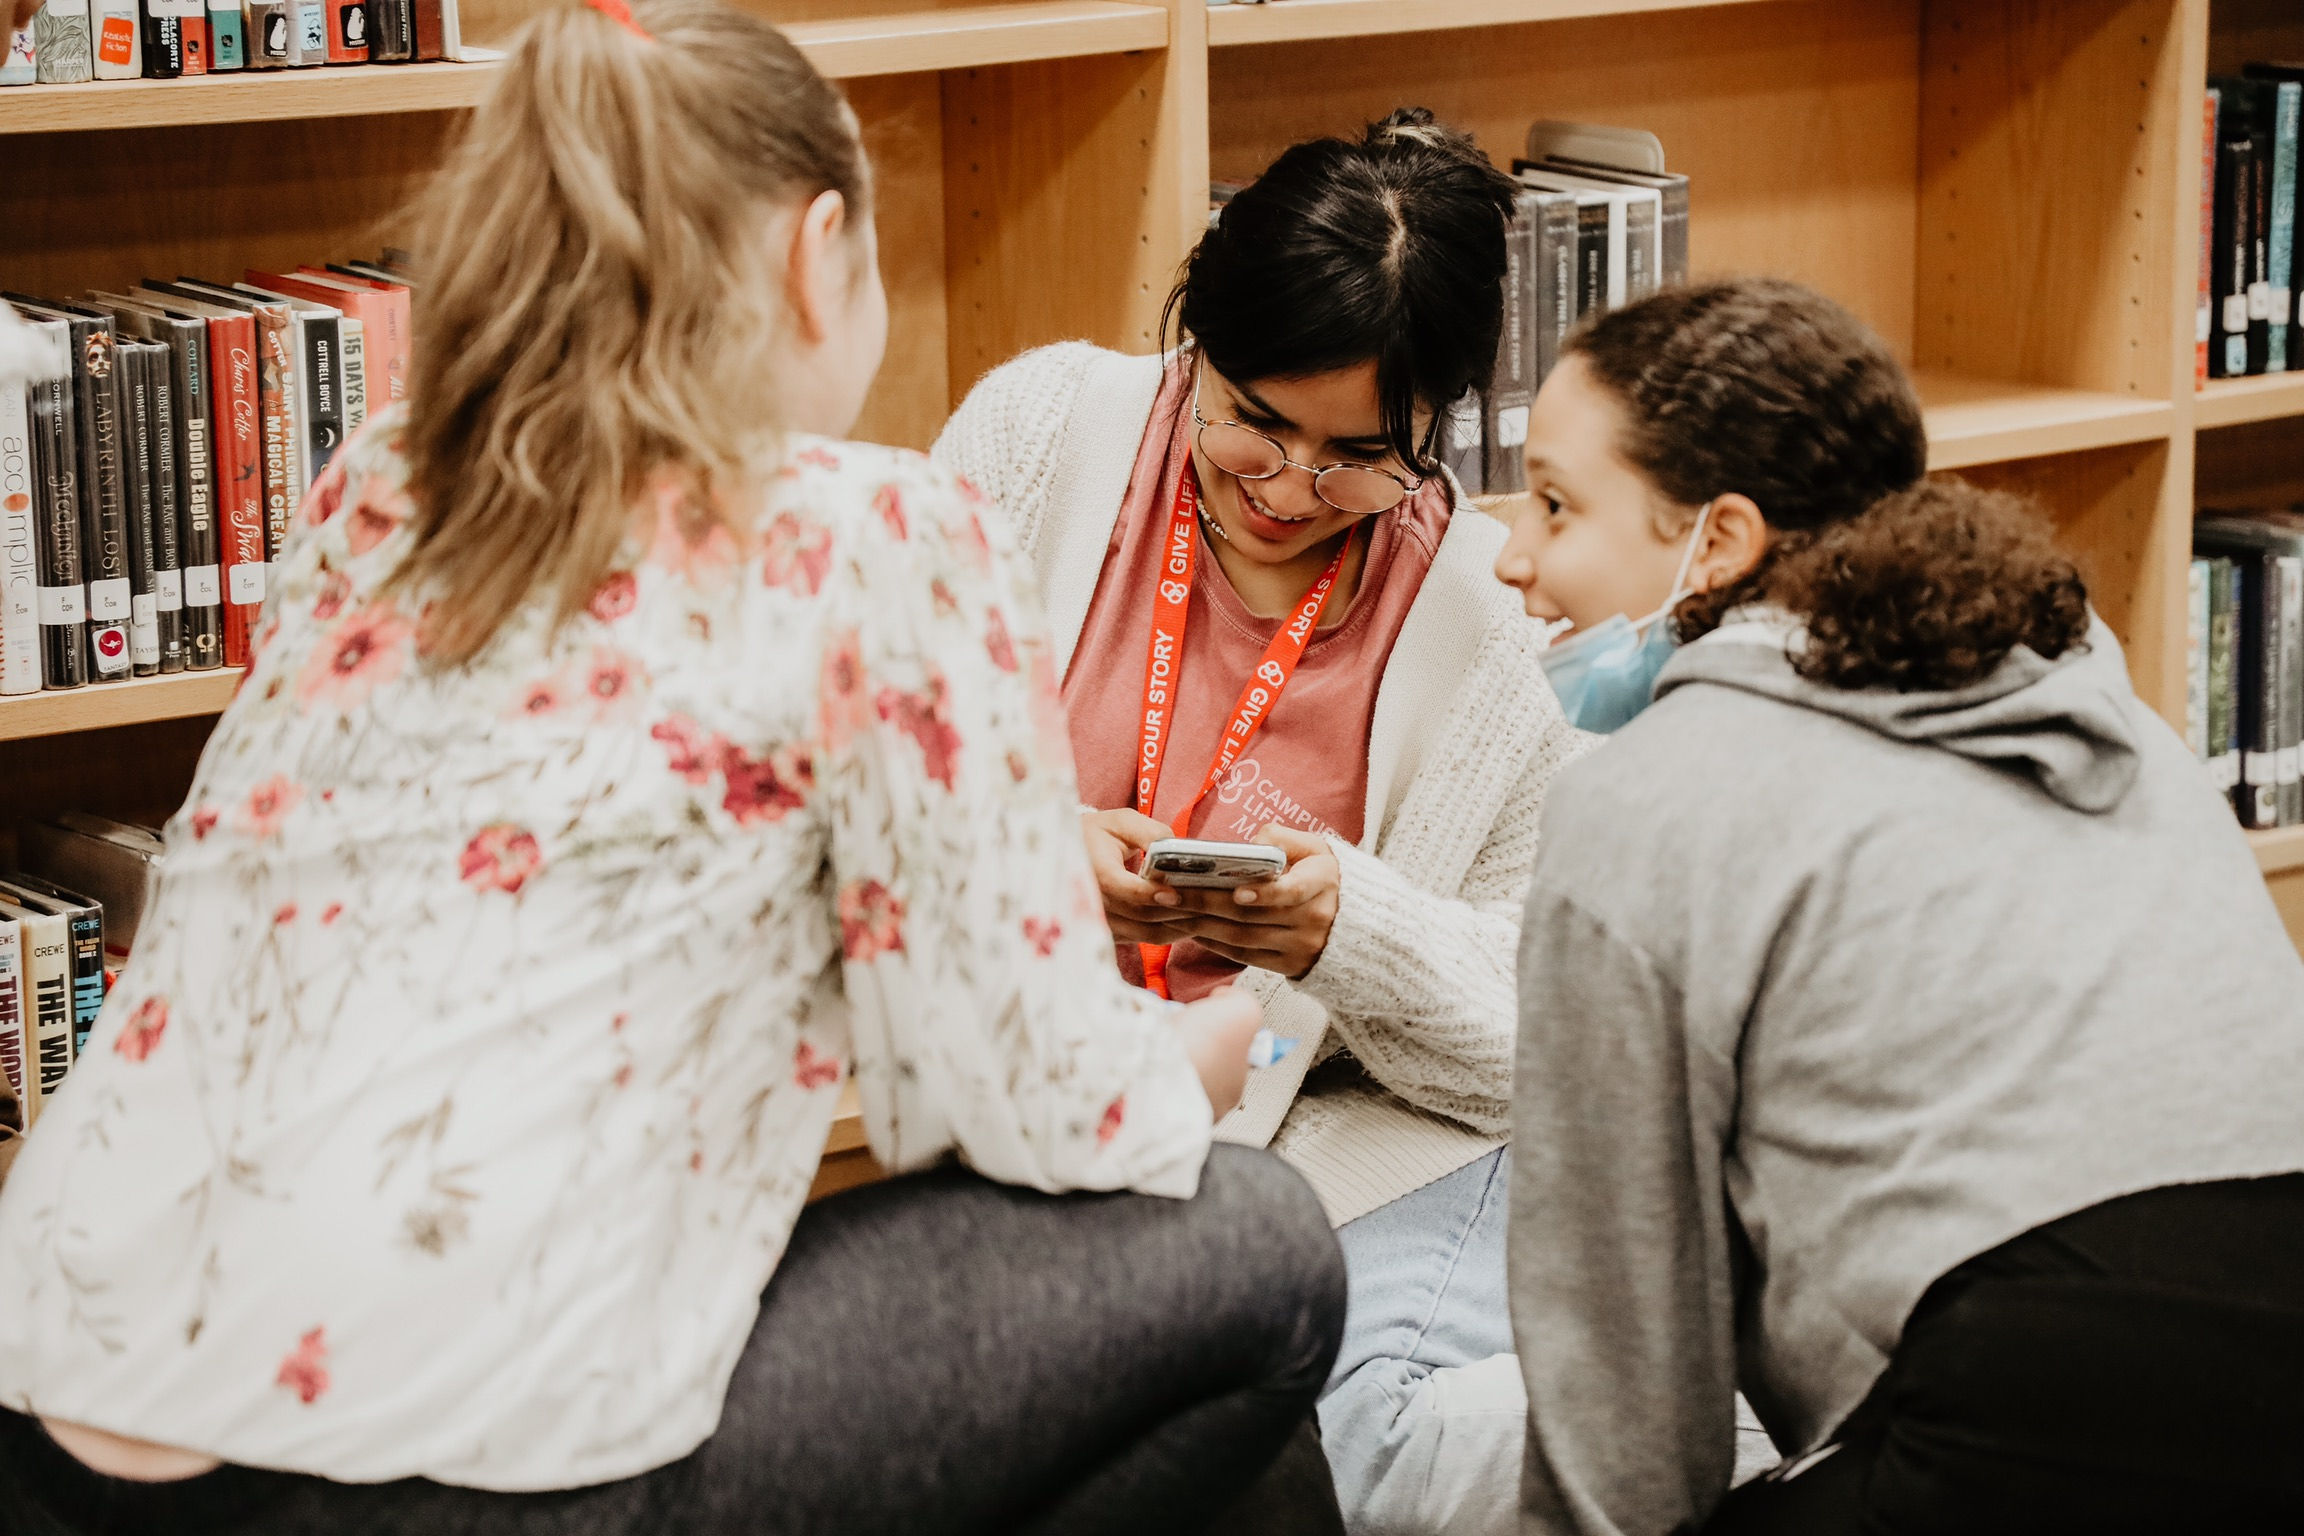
(1735, 537)
(816, 272)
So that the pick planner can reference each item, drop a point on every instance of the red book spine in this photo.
(2204, 324)
(431, 30)
(196, 45)
(239, 450)
(347, 31)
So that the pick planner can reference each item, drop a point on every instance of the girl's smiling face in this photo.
(1321, 419)
(1594, 537)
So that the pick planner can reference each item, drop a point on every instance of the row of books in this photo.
(66, 923)
(71, 41)
(145, 485)
(2244, 642)
(2248, 310)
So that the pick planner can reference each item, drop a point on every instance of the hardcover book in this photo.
(186, 569)
(45, 947)
(22, 64)
(382, 310)
(139, 417)
(227, 35)
(19, 544)
(348, 31)
(2203, 319)
(162, 33)
(84, 928)
(236, 443)
(62, 594)
(12, 1054)
(1512, 386)
(268, 27)
(2224, 600)
(113, 861)
(391, 31)
(2235, 211)
(102, 485)
(119, 39)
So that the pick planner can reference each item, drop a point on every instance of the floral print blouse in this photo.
(486, 1024)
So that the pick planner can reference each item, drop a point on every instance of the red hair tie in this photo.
(621, 14)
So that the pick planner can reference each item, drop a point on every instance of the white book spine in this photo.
(12, 1056)
(352, 346)
(1618, 251)
(19, 547)
(119, 43)
(23, 64)
(47, 970)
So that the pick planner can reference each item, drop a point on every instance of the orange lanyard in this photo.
(1164, 670)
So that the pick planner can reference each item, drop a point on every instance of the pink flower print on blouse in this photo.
(335, 587)
(798, 555)
(366, 649)
(765, 788)
(538, 697)
(871, 921)
(326, 495)
(965, 536)
(1114, 1113)
(305, 1370)
(1049, 727)
(330, 913)
(141, 1034)
(615, 597)
(284, 916)
(997, 645)
(817, 457)
(888, 501)
(376, 516)
(689, 538)
(688, 752)
(268, 805)
(940, 593)
(812, 1070)
(1042, 933)
(611, 679)
(500, 857)
(842, 708)
(924, 718)
(203, 822)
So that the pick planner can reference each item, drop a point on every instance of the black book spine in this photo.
(1556, 282)
(63, 594)
(163, 38)
(103, 496)
(392, 32)
(2259, 797)
(2260, 233)
(1513, 384)
(1591, 258)
(323, 393)
(167, 515)
(199, 544)
(136, 466)
(2228, 294)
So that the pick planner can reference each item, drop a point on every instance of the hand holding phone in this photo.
(1194, 864)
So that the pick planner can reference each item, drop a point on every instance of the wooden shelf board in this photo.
(2230, 402)
(1990, 421)
(55, 712)
(1286, 21)
(900, 42)
(2278, 849)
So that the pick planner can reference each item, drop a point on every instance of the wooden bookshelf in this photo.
(2236, 402)
(100, 706)
(2007, 190)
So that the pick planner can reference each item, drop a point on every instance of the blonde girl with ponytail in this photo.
(626, 762)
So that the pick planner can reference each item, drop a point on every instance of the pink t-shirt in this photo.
(1308, 767)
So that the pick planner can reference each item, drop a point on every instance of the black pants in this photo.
(936, 1354)
(2136, 1367)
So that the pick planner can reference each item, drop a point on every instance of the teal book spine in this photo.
(228, 35)
(2281, 259)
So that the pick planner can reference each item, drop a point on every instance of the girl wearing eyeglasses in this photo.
(1275, 623)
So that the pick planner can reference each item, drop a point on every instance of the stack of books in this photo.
(66, 923)
(2248, 311)
(71, 41)
(2244, 637)
(162, 458)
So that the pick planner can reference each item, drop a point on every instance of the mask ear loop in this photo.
(1680, 576)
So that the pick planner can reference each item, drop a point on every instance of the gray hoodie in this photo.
(1824, 992)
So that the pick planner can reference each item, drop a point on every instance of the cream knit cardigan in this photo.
(1417, 980)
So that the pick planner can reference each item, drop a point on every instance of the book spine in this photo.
(86, 928)
(136, 475)
(167, 513)
(196, 500)
(1643, 248)
(227, 36)
(276, 379)
(1676, 233)
(1591, 258)
(2260, 697)
(269, 23)
(64, 42)
(307, 34)
(2228, 353)
(1556, 282)
(2281, 257)
(48, 982)
(391, 31)
(194, 22)
(2196, 658)
(2203, 319)
(19, 545)
(1619, 253)
(235, 400)
(2291, 689)
(12, 1009)
(2221, 656)
(1460, 442)
(353, 335)
(163, 40)
(119, 41)
(1512, 385)
(322, 394)
(2235, 639)
(2260, 251)
(348, 31)
(63, 589)
(22, 64)
(429, 21)
(103, 499)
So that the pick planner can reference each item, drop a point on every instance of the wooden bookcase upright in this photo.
(2006, 189)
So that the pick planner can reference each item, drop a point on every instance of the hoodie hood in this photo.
(2067, 724)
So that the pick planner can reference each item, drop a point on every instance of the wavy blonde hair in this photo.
(601, 302)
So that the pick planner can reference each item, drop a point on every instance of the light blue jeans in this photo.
(1424, 1416)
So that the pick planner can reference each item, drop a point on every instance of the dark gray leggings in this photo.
(936, 1354)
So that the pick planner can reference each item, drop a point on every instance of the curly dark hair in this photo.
(1763, 388)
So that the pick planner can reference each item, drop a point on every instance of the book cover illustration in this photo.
(63, 43)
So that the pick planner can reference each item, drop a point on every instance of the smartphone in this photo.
(1190, 864)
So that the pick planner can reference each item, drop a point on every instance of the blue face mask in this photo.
(1606, 675)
